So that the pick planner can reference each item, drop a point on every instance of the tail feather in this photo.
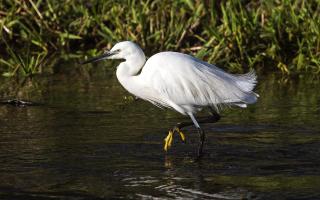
(246, 83)
(233, 89)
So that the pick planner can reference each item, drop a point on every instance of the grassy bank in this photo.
(270, 35)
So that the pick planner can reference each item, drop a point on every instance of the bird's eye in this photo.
(117, 50)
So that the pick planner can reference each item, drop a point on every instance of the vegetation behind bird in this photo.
(269, 35)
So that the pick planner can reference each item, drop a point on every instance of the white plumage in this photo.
(188, 84)
(179, 81)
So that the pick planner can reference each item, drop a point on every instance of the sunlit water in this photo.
(90, 140)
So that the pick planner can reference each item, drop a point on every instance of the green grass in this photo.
(26, 64)
(279, 35)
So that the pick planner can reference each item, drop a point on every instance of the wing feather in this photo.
(187, 81)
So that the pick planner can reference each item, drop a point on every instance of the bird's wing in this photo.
(185, 80)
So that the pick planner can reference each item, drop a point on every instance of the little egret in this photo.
(180, 82)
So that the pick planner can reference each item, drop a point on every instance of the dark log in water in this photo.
(19, 103)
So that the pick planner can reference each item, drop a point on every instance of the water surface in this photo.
(90, 140)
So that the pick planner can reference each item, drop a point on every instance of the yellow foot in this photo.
(183, 138)
(168, 140)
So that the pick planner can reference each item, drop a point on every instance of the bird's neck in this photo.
(127, 73)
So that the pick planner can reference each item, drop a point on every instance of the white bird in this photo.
(180, 82)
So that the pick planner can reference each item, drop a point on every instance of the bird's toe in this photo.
(182, 136)
(168, 141)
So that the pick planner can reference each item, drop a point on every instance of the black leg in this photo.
(213, 118)
(201, 142)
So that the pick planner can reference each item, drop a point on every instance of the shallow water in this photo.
(90, 140)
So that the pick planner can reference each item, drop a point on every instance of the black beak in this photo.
(101, 57)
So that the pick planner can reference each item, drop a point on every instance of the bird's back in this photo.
(190, 83)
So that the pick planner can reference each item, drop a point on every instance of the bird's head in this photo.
(121, 50)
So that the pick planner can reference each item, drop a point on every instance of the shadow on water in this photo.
(90, 140)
